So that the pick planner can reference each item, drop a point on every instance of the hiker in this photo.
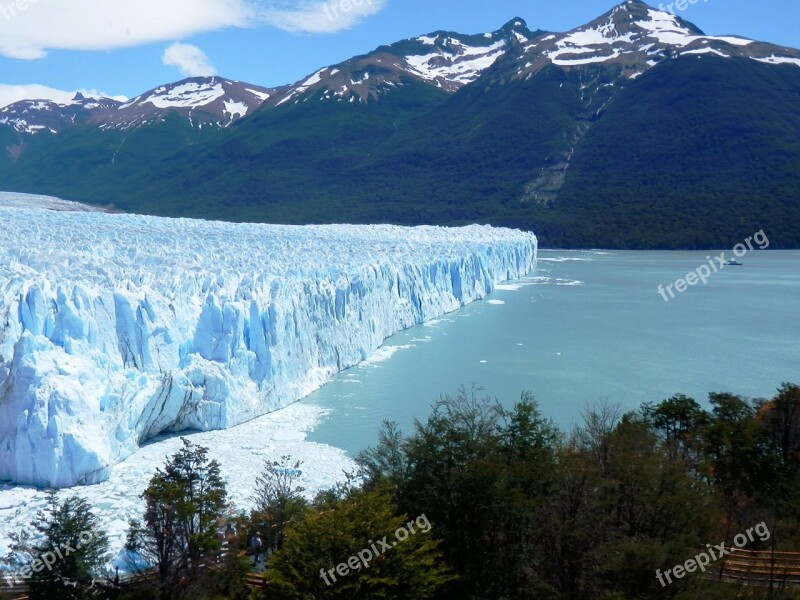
(255, 547)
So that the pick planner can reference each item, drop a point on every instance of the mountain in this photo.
(636, 130)
(444, 59)
(35, 116)
(212, 101)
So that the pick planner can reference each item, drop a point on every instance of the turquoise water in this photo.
(586, 326)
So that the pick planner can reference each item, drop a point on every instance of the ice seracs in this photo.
(116, 328)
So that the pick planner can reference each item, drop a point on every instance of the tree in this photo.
(65, 555)
(782, 418)
(678, 420)
(482, 472)
(736, 445)
(593, 436)
(277, 500)
(526, 478)
(184, 510)
(456, 466)
(348, 531)
(386, 464)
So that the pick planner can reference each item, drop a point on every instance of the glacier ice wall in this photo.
(117, 328)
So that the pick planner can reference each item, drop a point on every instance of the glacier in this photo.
(116, 328)
(241, 452)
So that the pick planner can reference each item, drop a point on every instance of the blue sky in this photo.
(120, 47)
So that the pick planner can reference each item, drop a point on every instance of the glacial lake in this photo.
(586, 326)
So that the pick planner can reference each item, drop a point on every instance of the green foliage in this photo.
(782, 420)
(66, 553)
(525, 513)
(230, 579)
(699, 152)
(340, 528)
(184, 510)
(385, 464)
(480, 472)
(278, 501)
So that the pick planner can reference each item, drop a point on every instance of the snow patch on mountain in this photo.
(22, 126)
(260, 95)
(667, 30)
(706, 51)
(779, 60)
(455, 62)
(235, 109)
(571, 62)
(191, 94)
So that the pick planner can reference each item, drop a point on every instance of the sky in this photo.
(122, 48)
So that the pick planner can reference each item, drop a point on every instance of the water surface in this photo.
(586, 326)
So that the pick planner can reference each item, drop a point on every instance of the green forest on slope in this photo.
(699, 152)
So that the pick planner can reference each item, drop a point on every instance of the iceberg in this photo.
(115, 328)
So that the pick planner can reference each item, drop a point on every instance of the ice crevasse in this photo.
(118, 328)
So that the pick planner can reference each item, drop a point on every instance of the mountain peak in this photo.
(444, 59)
(632, 38)
(632, 13)
(516, 23)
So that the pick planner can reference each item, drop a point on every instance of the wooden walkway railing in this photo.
(19, 591)
(759, 568)
(751, 568)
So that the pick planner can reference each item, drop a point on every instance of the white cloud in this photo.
(14, 93)
(109, 24)
(313, 16)
(30, 28)
(189, 60)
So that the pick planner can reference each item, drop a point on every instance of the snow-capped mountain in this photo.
(203, 101)
(443, 59)
(632, 37)
(33, 116)
(635, 37)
